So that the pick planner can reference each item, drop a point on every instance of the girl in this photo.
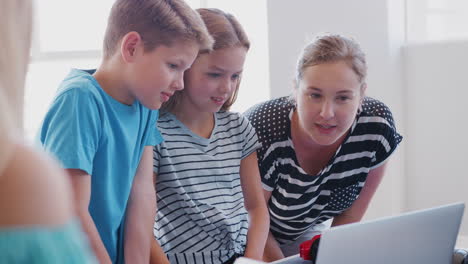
(325, 149)
(210, 202)
(36, 213)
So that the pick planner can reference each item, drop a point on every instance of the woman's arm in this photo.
(272, 250)
(359, 207)
(259, 223)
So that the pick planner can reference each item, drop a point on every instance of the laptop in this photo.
(420, 237)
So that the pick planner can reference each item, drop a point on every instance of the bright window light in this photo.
(71, 25)
(437, 20)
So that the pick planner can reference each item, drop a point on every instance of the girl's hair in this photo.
(227, 32)
(159, 22)
(15, 42)
(332, 48)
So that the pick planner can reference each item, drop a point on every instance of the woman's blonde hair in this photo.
(227, 32)
(15, 43)
(327, 48)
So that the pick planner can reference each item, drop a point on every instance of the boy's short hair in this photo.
(159, 22)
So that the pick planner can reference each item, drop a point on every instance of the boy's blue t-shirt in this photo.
(87, 129)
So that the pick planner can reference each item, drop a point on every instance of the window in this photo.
(437, 20)
(63, 39)
(73, 26)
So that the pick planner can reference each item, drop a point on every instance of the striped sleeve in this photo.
(271, 122)
(251, 142)
(156, 158)
(387, 144)
(386, 136)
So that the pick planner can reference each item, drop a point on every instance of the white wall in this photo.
(437, 126)
(379, 27)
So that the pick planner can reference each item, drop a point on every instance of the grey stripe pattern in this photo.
(201, 216)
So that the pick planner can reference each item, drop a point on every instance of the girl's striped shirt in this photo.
(201, 216)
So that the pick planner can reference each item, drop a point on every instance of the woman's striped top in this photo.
(201, 216)
(299, 201)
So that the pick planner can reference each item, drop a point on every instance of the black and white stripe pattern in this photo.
(300, 201)
(201, 216)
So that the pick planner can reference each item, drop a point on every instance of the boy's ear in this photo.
(130, 46)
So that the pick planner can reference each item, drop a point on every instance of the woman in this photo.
(325, 148)
(36, 217)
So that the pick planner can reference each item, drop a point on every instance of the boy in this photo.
(101, 125)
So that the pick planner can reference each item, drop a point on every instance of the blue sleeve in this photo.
(72, 128)
(155, 137)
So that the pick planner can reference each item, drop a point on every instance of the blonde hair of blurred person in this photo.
(34, 193)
